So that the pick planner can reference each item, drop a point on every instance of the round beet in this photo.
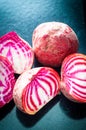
(73, 77)
(7, 81)
(35, 88)
(52, 42)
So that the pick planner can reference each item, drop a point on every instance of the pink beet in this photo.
(35, 88)
(52, 42)
(17, 50)
(73, 77)
(7, 81)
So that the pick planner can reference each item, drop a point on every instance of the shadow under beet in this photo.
(6, 109)
(31, 120)
(38, 64)
(72, 109)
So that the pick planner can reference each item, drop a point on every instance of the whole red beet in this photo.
(52, 42)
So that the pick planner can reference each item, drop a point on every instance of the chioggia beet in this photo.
(17, 50)
(7, 81)
(73, 77)
(52, 42)
(35, 88)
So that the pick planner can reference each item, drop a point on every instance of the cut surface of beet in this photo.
(73, 77)
(17, 50)
(35, 88)
(7, 81)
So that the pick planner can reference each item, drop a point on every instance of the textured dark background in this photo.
(23, 16)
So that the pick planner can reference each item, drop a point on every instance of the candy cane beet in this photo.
(7, 81)
(73, 77)
(17, 51)
(52, 42)
(35, 88)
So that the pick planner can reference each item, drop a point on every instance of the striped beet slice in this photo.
(17, 50)
(7, 81)
(73, 77)
(35, 88)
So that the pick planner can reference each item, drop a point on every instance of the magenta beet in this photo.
(52, 42)
(7, 81)
(73, 77)
(17, 50)
(35, 88)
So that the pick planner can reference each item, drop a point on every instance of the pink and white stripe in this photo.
(42, 86)
(7, 81)
(73, 77)
(17, 51)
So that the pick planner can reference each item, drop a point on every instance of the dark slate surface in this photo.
(23, 16)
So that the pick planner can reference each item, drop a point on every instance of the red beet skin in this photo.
(52, 42)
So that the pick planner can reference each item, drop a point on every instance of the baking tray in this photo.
(23, 16)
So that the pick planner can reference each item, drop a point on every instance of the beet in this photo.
(17, 50)
(73, 77)
(35, 88)
(7, 81)
(52, 42)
